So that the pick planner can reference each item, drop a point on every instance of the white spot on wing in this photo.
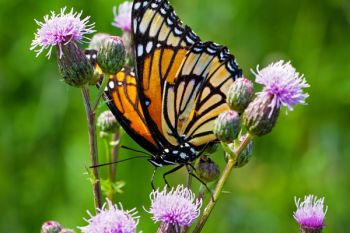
(162, 11)
(169, 21)
(149, 46)
(178, 31)
(139, 50)
(211, 51)
(137, 5)
(230, 67)
(111, 85)
(135, 25)
(189, 40)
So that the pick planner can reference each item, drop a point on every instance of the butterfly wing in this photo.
(161, 44)
(198, 94)
(123, 100)
(182, 80)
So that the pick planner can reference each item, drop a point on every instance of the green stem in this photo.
(91, 119)
(114, 158)
(226, 173)
(100, 91)
(108, 159)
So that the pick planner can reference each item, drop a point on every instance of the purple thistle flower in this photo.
(122, 20)
(59, 29)
(111, 220)
(310, 213)
(178, 207)
(283, 84)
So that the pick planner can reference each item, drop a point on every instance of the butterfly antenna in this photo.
(139, 151)
(119, 161)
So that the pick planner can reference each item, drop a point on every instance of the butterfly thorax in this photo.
(181, 154)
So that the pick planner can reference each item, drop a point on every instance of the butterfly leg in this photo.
(152, 178)
(171, 171)
(188, 166)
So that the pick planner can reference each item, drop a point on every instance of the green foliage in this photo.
(44, 140)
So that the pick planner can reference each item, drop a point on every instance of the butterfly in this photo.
(168, 105)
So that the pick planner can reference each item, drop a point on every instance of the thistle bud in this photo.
(245, 155)
(51, 227)
(212, 149)
(107, 123)
(240, 94)
(259, 117)
(227, 126)
(74, 66)
(111, 55)
(207, 170)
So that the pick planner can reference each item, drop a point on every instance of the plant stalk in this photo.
(91, 119)
(114, 157)
(226, 173)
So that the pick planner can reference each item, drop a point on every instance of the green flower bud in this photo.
(51, 227)
(212, 149)
(74, 66)
(107, 123)
(207, 170)
(245, 155)
(227, 126)
(259, 117)
(240, 94)
(111, 55)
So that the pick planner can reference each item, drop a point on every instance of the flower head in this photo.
(107, 122)
(58, 29)
(122, 20)
(283, 84)
(51, 227)
(310, 213)
(178, 207)
(227, 126)
(111, 220)
(240, 94)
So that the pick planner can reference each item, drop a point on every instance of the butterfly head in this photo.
(181, 154)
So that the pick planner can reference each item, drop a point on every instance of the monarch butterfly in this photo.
(169, 104)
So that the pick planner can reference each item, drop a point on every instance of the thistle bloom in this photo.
(112, 220)
(122, 20)
(60, 29)
(176, 208)
(283, 84)
(310, 213)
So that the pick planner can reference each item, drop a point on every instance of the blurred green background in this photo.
(44, 141)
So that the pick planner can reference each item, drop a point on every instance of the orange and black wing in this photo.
(124, 102)
(161, 45)
(198, 94)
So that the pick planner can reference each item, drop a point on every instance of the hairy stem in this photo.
(109, 159)
(91, 119)
(114, 158)
(226, 173)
